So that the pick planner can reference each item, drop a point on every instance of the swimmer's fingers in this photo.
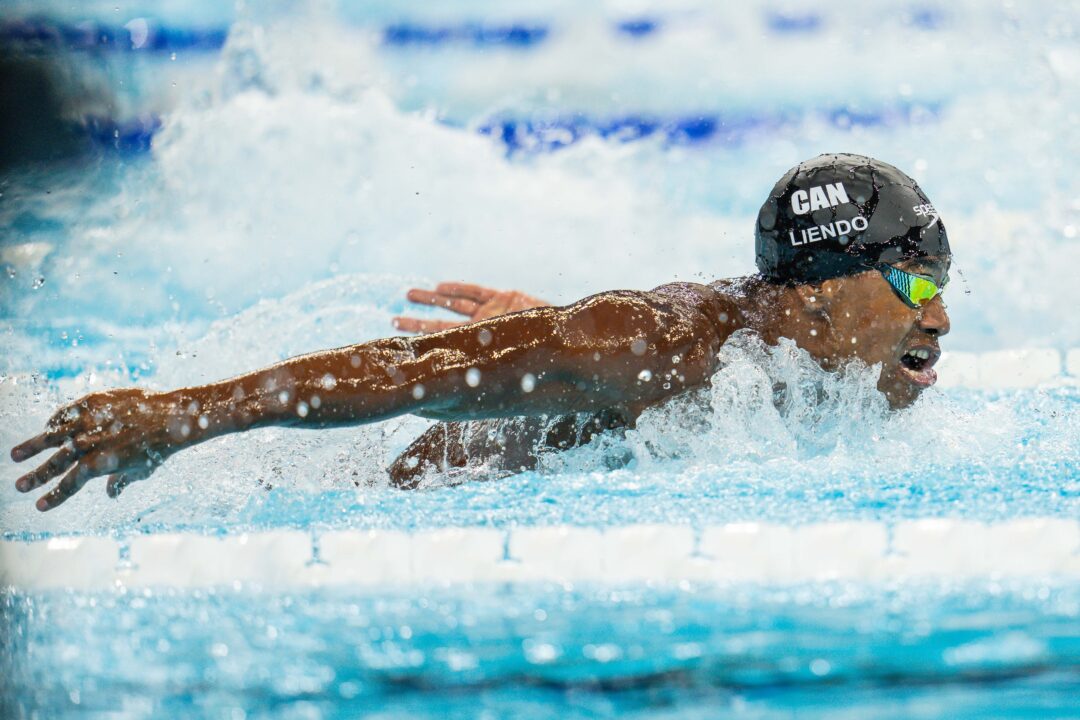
(116, 484)
(61, 426)
(461, 306)
(119, 481)
(70, 484)
(49, 439)
(53, 467)
(423, 327)
(467, 291)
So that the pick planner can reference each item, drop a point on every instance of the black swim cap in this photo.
(837, 214)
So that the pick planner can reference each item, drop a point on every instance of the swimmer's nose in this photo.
(933, 319)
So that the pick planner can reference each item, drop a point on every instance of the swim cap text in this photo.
(818, 197)
(839, 228)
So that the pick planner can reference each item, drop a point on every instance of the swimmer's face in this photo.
(861, 316)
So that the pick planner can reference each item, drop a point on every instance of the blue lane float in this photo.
(138, 35)
(638, 27)
(794, 23)
(543, 135)
(131, 136)
(927, 18)
(476, 34)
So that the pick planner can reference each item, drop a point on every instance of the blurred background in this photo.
(165, 165)
(189, 190)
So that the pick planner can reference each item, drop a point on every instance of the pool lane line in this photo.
(542, 135)
(537, 135)
(151, 35)
(1029, 548)
(146, 35)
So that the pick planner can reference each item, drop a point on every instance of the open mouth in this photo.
(917, 365)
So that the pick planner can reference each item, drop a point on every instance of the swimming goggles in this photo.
(915, 290)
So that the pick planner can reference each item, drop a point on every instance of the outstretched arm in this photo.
(610, 350)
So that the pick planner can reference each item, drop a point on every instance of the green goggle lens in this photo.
(915, 290)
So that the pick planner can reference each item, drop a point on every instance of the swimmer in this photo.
(852, 258)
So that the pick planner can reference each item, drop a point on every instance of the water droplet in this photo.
(316, 401)
(528, 382)
(418, 391)
(302, 409)
(38, 282)
(645, 375)
(204, 422)
(485, 337)
(283, 397)
(329, 382)
(813, 332)
(472, 377)
(639, 346)
(538, 652)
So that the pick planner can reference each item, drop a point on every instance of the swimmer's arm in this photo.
(610, 350)
(599, 353)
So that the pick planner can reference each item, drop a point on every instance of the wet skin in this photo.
(588, 357)
(823, 319)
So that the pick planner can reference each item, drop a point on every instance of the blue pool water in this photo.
(265, 181)
(818, 651)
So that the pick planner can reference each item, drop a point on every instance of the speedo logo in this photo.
(818, 197)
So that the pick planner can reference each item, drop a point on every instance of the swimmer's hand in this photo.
(125, 434)
(473, 301)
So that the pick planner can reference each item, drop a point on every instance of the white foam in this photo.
(737, 552)
(736, 421)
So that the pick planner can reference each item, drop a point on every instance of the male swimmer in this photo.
(851, 255)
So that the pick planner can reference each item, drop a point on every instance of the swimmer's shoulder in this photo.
(716, 303)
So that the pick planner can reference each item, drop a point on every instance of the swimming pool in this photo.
(270, 181)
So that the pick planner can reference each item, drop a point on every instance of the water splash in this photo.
(771, 406)
(773, 436)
